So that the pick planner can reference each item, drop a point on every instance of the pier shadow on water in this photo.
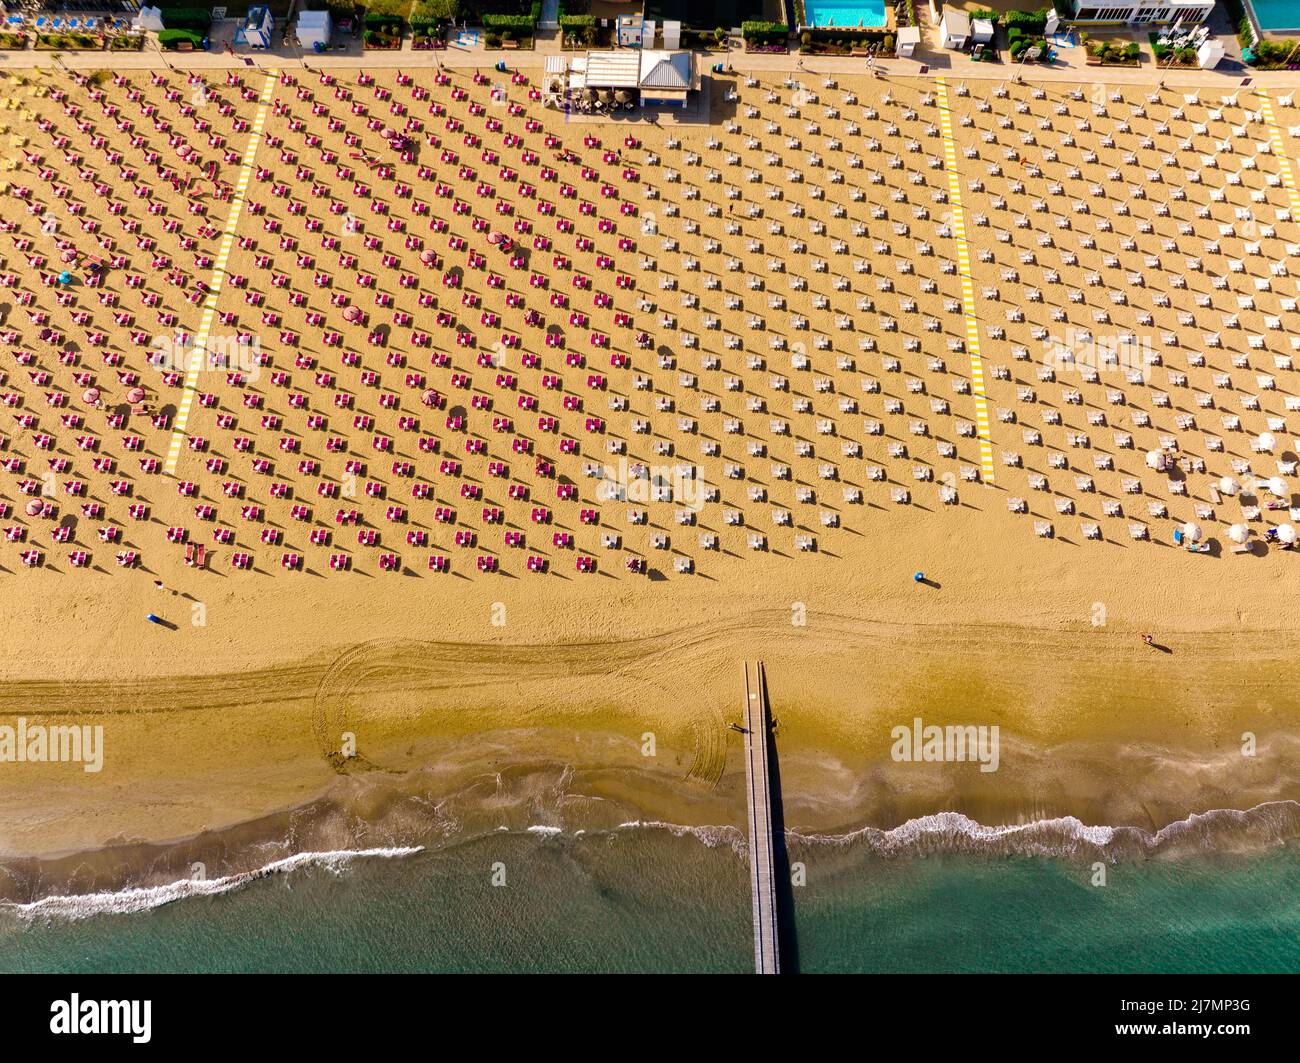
(786, 940)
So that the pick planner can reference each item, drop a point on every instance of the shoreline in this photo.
(480, 787)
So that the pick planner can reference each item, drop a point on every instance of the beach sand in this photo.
(236, 710)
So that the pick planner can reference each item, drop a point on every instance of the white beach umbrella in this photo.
(1278, 486)
(1228, 486)
(1239, 533)
(1192, 532)
(1286, 533)
(1155, 459)
(1266, 441)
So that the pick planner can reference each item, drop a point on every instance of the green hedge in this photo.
(188, 18)
(171, 38)
(519, 24)
(428, 14)
(390, 25)
(1032, 23)
(765, 32)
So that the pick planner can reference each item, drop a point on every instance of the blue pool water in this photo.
(1277, 14)
(854, 13)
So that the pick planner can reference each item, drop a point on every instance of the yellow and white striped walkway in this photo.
(1279, 149)
(198, 353)
(967, 284)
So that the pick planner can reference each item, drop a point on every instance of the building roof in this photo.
(956, 22)
(613, 70)
(666, 70)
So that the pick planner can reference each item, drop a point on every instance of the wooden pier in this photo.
(761, 864)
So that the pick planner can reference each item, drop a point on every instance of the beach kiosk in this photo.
(314, 30)
(981, 31)
(666, 78)
(630, 31)
(149, 20)
(1209, 54)
(954, 29)
(257, 28)
(908, 38)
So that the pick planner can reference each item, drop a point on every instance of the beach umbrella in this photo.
(135, 395)
(65, 277)
(623, 96)
(1192, 532)
(1239, 533)
(1286, 533)
(352, 314)
(1266, 441)
(69, 255)
(1155, 459)
(90, 396)
(1228, 486)
(1278, 486)
(429, 398)
(33, 507)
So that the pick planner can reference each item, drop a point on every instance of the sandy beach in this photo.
(861, 362)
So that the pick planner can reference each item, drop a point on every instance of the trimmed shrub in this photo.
(518, 24)
(172, 39)
(765, 32)
(197, 19)
(1031, 23)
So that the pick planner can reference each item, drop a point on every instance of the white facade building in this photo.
(1143, 12)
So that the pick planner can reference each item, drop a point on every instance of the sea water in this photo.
(645, 898)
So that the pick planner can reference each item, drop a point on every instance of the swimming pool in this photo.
(1274, 14)
(850, 13)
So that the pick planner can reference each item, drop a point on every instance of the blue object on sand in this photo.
(919, 577)
(65, 277)
(154, 619)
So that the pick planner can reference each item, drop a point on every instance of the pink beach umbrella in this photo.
(90, 396)
(352, 314)
(135, 395)
(34, 507)
(429, 398)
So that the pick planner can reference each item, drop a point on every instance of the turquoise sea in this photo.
(650, 899)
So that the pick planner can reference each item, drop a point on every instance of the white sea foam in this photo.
(144, 898)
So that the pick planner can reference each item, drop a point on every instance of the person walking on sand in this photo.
(1149, 640)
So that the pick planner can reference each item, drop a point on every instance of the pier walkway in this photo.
(761, 864)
